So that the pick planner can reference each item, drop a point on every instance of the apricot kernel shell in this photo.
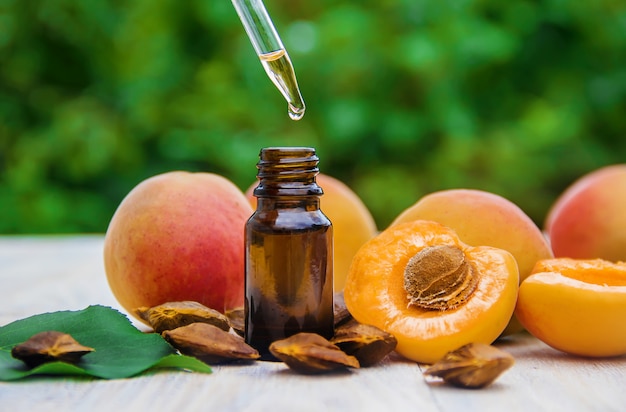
(311, 353)
(172, 315)
(439, 278)
(472, 366)
(49, 346)
(210, 344)
(367, 343)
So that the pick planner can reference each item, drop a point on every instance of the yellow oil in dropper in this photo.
(273, 55)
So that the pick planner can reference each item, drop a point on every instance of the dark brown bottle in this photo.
(289, 251)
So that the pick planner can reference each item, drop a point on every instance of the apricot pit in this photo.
(439, 277)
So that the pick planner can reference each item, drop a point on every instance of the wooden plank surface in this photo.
(42, 274)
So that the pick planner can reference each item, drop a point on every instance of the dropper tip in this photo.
(296, 112)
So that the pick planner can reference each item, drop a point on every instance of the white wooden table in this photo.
(42, 274)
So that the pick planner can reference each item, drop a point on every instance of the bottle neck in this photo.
(288, 174)
(306, 203)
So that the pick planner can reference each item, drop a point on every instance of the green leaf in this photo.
(121, 350)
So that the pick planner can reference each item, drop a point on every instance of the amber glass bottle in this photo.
(289, 251)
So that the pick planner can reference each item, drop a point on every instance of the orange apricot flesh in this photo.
(375, 294)
(576, 306)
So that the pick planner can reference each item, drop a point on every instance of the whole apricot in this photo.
(178, 236)
(587, 221)
(577, 306)
(419, 282)
(482, 218)
(353, 224)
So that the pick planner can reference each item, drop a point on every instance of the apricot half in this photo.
(576, 306)
(482, 218)
(376, 291)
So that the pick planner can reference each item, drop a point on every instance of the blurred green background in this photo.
(404, 97)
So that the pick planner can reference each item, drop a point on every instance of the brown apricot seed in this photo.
(367, 343)
(440, 278)
(236, 318)
(172, 315)
(311, 353)
(340, 311)
(472, 366)
(209, 343)
(49, 346)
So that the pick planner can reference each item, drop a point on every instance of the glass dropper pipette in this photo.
(271, 52)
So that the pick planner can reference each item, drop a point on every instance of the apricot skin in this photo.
(485, 219)
(353, 224)
(178, 236)
(574, 316)
(588, 221)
